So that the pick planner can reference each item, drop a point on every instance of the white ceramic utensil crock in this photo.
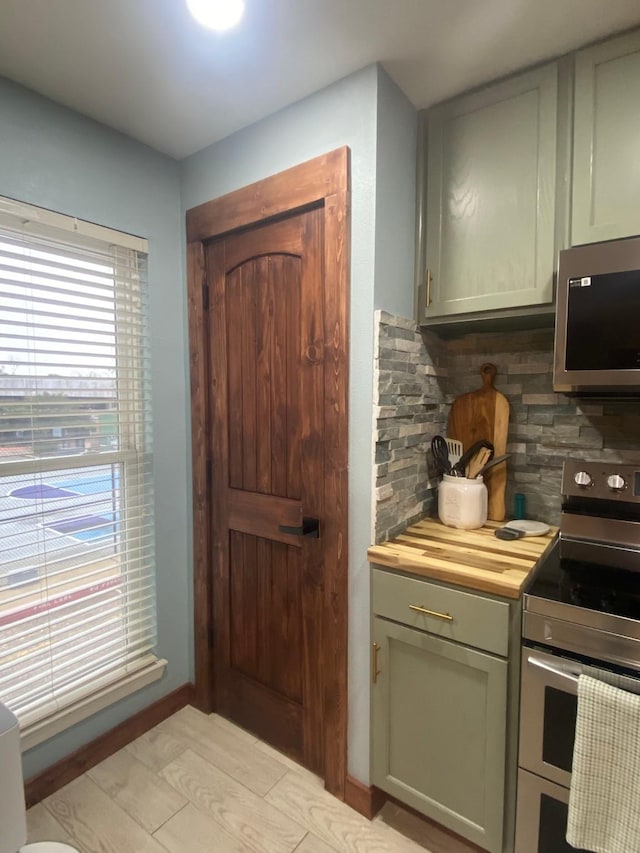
(462, 502)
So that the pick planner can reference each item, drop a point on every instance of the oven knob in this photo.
(583, 479)
(616, 483)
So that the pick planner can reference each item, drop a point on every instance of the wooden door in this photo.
(268, 287)
(266, 367)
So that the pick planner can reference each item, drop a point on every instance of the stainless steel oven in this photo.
(547, 723)
(580, 617)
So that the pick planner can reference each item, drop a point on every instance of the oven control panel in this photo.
(601, 480)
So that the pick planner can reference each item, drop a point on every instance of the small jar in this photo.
(462, 502)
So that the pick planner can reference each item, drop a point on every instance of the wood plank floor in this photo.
(198, 784)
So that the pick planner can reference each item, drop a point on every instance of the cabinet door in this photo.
(439, 730)
(606, 164)
(491, 197)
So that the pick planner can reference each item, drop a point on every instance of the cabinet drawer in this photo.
(475, 620)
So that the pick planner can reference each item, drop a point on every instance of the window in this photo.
(77, 599)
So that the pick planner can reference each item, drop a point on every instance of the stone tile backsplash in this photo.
(544, 427)
(409, 410)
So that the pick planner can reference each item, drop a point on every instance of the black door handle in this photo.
(310, 527)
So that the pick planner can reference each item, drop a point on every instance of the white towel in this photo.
(604, 801)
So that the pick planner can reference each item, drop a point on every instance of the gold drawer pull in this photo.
(419, 609)
(375, 672)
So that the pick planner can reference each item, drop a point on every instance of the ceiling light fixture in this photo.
(216, 14)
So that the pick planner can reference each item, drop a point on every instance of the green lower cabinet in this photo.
(440, 730)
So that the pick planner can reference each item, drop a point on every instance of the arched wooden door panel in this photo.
(268, 311)
(267, 401)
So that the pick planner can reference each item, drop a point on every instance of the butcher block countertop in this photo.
(475, 559)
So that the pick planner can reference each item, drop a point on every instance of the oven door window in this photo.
(558, 731)
(548, 710)
(541, 823)
(552, 828)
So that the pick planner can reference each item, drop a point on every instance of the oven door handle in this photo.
(561, 673)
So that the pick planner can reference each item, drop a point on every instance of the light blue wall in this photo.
(395, 198)
(53, 157)
(342, 114)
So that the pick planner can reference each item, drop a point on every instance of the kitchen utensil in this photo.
(455, 450)
(508, 533)
(528, 528)
(440, 454)
(478, 462)
(461, 465)
(495, 461)
(479, 414)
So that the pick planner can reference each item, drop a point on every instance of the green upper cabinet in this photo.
(606, 166)
(496, 174)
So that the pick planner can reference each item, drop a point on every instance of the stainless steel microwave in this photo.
(597, 341)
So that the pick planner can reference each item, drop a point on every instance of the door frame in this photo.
(322, 182)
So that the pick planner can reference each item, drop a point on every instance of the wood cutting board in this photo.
(484, 414)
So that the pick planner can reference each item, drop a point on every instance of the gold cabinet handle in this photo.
(419, 609)
(428, 299)
(375, 672)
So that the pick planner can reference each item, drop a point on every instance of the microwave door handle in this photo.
(561, 673)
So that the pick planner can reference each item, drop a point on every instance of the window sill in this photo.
(35, 733)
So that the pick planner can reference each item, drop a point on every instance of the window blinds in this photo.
(77, 600)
